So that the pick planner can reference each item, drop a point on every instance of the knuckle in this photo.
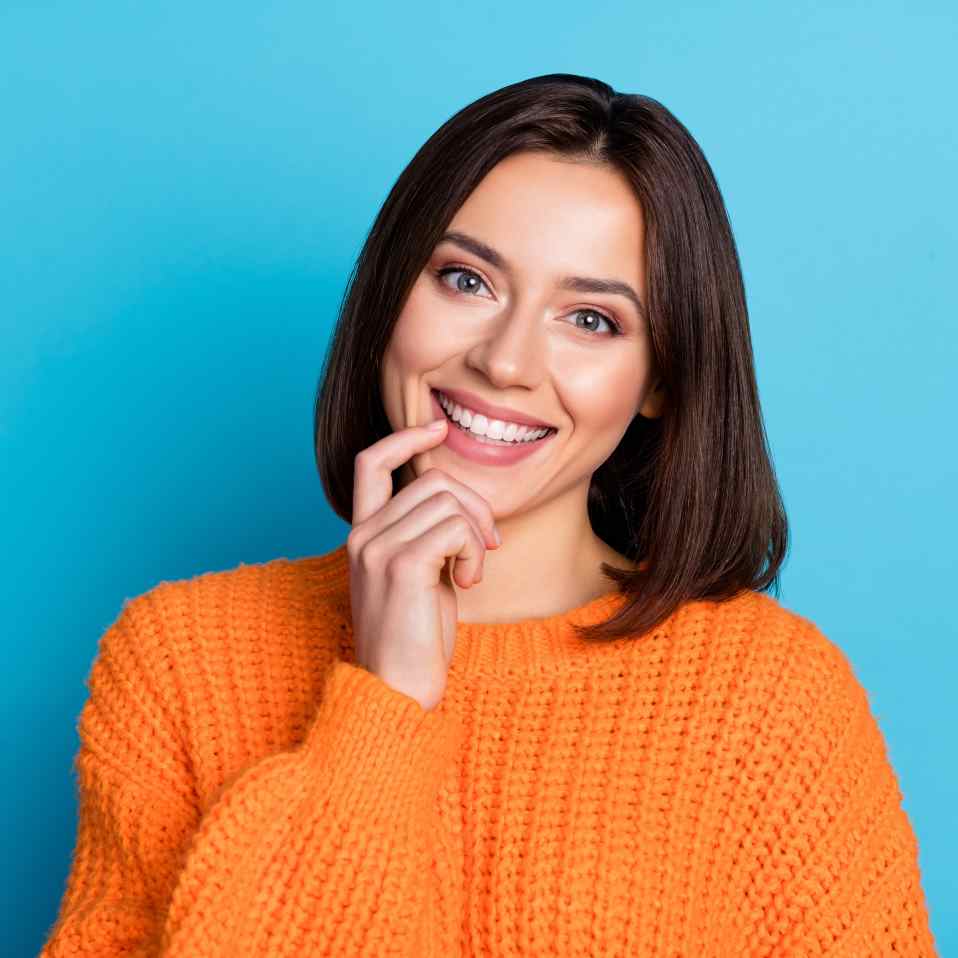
(353, 542)
(362, 459)
(368, 556)
(447, 499)
(398, 566)
(462, 524)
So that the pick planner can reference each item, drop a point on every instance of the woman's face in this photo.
(512, 333)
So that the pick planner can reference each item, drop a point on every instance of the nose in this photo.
(513, 351)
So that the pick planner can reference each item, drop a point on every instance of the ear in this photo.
(654, 403)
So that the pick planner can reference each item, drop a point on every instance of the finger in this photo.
(479, 506)
(428, 552)
(388, 538)
(431, 483)
(374, 466)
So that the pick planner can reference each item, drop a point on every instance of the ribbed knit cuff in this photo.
(375, 750)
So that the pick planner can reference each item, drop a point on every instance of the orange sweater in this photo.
(717, 787)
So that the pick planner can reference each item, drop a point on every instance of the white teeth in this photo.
(479, 425)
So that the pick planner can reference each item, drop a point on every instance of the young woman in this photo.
(539, 701)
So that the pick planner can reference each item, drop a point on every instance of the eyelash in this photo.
(440, 273)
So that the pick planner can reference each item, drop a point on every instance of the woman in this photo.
(538, 702)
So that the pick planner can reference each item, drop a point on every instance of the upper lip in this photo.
(491, 410)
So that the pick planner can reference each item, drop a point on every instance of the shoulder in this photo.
(214, 636)
(258, 610)
(816, 660)
(305, 579)
(772, 657)
(796, 679)
(190, 661)
(783, 629)
(316, 575)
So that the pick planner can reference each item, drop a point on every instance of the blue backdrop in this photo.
(185, 187)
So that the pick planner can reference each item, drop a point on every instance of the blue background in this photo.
(183, 190)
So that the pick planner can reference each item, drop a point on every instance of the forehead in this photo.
(555, 215)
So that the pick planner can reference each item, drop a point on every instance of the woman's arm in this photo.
(317, 850)
(837, 870)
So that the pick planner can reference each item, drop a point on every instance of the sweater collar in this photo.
(524, 646)
(545, 644)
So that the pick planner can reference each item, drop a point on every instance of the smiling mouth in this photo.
(443, 402)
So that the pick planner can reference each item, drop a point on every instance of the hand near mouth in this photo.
(402, 549)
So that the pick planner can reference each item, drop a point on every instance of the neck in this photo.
(549, 561)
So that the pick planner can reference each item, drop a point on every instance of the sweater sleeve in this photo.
(837, 863)
(320, 849)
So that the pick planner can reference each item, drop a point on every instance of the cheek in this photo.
(425, 334)
(600, 396)
(603, 414)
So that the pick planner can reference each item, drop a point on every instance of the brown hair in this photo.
(692, 494)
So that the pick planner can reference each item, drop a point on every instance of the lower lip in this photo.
(460, 441)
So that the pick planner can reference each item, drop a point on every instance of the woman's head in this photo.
(460, 286)
(493, 313)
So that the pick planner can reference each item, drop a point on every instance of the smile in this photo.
(496, 431)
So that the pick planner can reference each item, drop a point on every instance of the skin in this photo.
(514, 337)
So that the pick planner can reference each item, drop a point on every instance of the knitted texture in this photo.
(716, 787)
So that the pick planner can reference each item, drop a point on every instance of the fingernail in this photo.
(437, 424)
(495, 532)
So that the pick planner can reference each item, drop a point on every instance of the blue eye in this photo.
(459, 269)
(616, 329)
(613, 325)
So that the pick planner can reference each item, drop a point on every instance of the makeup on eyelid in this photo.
(615, 326)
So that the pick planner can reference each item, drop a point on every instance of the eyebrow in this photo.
(581, 284)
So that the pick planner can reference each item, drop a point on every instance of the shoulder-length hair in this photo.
(691, 495)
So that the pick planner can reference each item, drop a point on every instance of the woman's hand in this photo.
(403, 602)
